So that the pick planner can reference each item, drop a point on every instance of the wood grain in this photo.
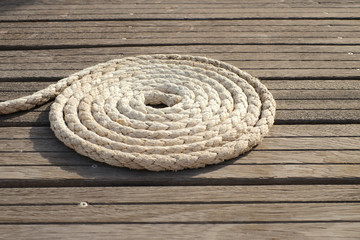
(278, 73)
(39, 117)
(181, 194)
(306, 231)
(269, 61)
(14, 87)
(263, 158)
(177, 13)
(101, 175)
(274, 144)
(182, 213)
(306, 52)
(325, 130)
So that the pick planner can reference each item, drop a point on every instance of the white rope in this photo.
(214, 111)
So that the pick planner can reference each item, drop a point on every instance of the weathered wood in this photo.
(24, 75)
(109, 29)
(27, 176)
(228, 50)
(161, 13)
(38, 58)
(272, 64)
(325, 130)
(350, 95)
(181, 194)
(79, 2)
(287, 104)
(309, 116)
(97, 33)
(268, 62)
(182, 213)
(280, 143)
(321, 231)
(274, 41)
(299, 25)
(344, 113)
(88, 57)
(14, 152)
(71, 158)
(25, 88)
(235, 26)
(182, 39)
(155, 7)
(175, 12)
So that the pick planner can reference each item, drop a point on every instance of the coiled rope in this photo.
(211, 111)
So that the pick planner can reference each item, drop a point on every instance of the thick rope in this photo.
(213, 111)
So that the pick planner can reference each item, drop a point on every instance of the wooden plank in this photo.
(179, 32)
(321, 231)
(24, 88)
(266, 63)
(38, 58)
(283, 131)
(283, 157)
(181, 194)
(159, 24)
(177, 4)
(245, 64)
(154, 5)
(24, 75)
(309, 84)
(79, 2)
(296, 116)
(301, 25)
(77, 167)
(294, 106)
(182, 213)
(111, 27)
(280, 143)
(231, 52)
(175, 13)
(101, 175)
(179, 39)
(288, 104)
(263, 158)
(317, 116)
(9, 90)
(14, 157)
(177, 9)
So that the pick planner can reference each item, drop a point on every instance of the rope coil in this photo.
(211, 111)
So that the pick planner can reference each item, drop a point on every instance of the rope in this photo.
(211, 111)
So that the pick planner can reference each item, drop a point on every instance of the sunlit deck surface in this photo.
(301, 182)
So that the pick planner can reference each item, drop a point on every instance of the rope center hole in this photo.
(160, 105)
(157, 99)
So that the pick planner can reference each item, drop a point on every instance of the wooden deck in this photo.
(301, 182)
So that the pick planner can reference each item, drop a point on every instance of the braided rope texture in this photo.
(212, 111)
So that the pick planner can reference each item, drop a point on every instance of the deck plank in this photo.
(290, 154)
(15, 87)
(264, 61)
(181, 194)
(321, 231)
(177, 13)
(297, 115)
(51, 176)
(182, 213)
(246, 206)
